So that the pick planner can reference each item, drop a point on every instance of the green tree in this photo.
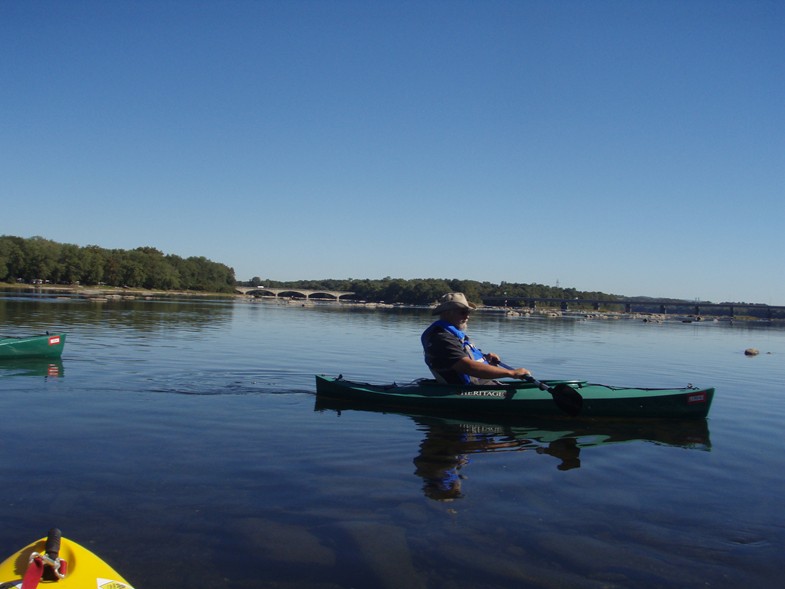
(41, 262)
(133, 269)
(12, 257)
(94, 259)
(113, 268)
(71, 264)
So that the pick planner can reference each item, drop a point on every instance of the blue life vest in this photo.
(471, 350)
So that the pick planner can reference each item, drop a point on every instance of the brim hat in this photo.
(453, 300)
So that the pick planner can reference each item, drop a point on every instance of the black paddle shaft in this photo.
(566, 398)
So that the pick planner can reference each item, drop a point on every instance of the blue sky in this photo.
(631, 147)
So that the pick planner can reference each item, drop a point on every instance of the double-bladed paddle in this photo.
(566, 398)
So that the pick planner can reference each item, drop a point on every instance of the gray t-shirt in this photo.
(442, 350)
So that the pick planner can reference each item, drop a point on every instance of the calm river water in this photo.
(181, 441)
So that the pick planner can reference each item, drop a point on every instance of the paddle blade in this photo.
(567, 399)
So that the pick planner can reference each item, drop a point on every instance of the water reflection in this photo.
(139, 314)
(446, 448)
(448, 444)
(45, 367)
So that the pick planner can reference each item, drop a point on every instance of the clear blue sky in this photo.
(632, 147)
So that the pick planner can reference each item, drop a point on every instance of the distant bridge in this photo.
(277, 292)
(629, 306)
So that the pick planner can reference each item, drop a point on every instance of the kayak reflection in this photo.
(447, 446)
(46, 367)
(448, 443)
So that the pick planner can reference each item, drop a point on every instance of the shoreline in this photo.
(106, 293)
(112, 291)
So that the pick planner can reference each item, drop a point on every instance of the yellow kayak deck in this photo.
(84, 569)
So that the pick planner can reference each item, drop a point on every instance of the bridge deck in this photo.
(307, 294)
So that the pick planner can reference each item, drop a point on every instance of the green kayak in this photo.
(48, 345)
(515, 398)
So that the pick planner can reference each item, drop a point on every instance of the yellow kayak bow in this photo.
(59, 563)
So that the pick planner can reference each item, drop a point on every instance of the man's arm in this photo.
(482, 370)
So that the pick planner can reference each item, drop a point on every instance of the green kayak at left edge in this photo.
(47, 345)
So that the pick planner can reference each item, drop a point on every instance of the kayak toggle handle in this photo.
(51, 556)
(58, 565)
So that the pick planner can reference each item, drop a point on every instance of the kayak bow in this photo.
(56, 559)
(47, 345)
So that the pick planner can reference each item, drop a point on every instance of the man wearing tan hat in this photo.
(452, 358)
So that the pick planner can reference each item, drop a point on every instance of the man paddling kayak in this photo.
(449, 354)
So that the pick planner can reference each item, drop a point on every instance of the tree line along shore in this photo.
(95, 271)
(39, 261)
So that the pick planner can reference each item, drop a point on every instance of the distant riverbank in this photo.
(106, 293)
(111, 291)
